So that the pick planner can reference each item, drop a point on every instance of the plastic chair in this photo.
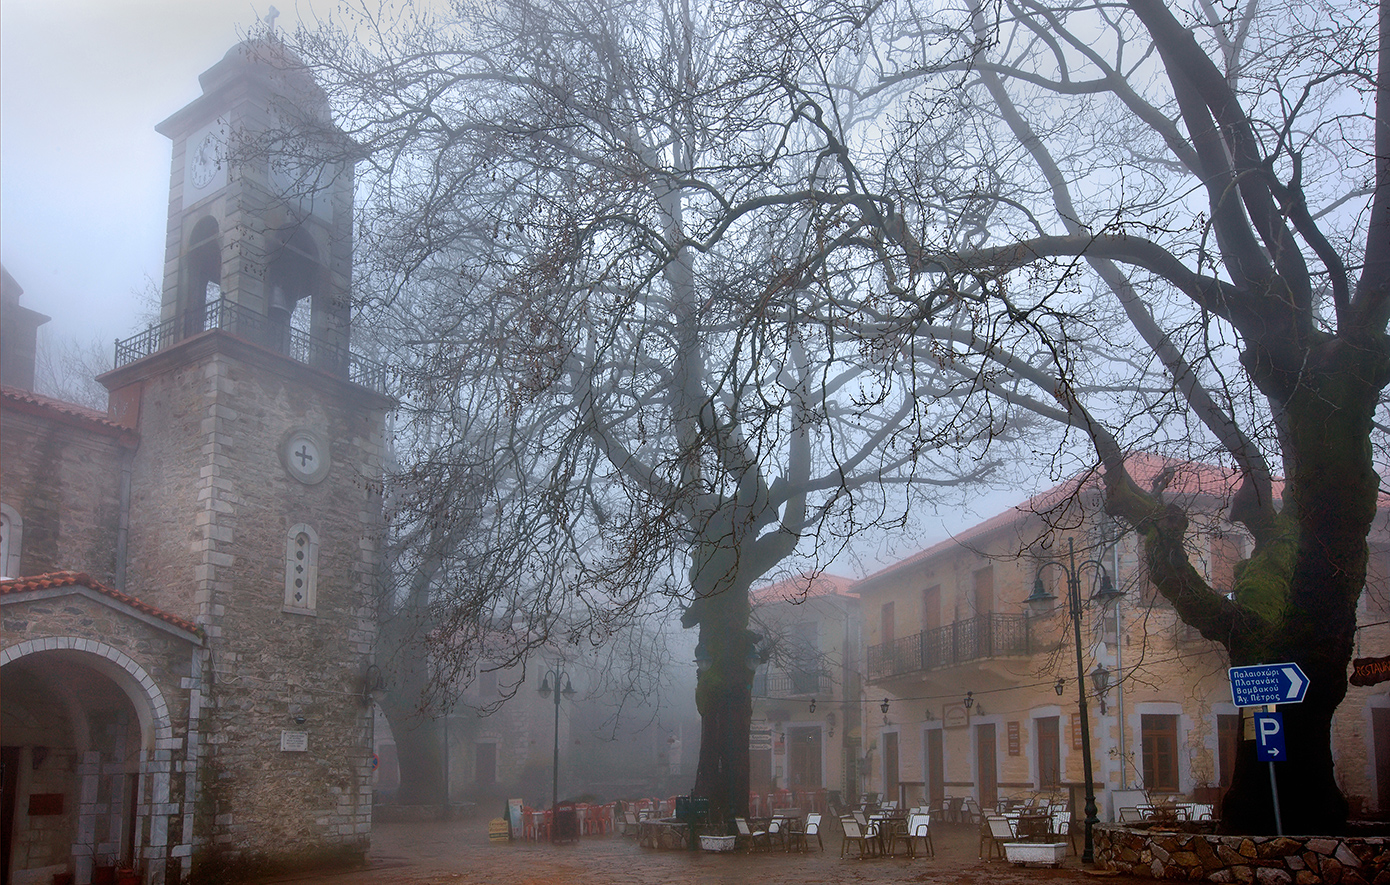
(919, 827)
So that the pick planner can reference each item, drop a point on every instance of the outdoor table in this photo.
(667, 833)
(784, 825)
(1034, 827)
(889, 825)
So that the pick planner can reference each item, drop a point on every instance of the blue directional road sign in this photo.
(1261, 684)
(1269, 737)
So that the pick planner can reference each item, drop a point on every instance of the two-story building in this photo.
(973, 644)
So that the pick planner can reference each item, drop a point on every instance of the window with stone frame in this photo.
(301, 569)
(11, 533)
(1159, 741)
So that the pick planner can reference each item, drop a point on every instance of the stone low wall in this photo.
(1246, 860)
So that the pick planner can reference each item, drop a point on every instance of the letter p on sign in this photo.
(1269, 737)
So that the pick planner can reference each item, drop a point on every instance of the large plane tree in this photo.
(726, 270)
(1164, 228)
(611, 407)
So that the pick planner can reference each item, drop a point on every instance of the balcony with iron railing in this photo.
(796, 683)
(258, 328)
(980, 638)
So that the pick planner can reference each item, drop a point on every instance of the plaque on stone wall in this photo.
(1015, 739)
(294, 741)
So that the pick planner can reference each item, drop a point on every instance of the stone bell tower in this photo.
(255, 491)
(260, 205)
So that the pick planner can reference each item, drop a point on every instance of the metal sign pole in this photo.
(1274, 789)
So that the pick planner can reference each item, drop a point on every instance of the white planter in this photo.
(1050, 853)
(717, 843)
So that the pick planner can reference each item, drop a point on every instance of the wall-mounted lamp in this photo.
(373, 685)
(884, 706)
(813, 705)
(969, 700)
(1060, 687)
(830, 724)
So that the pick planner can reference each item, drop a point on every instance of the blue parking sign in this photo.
(1269, 737)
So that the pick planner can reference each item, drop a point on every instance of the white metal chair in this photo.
(854, 833)
(994, 832)
(813, 829)
(919, 827)
(751, 837)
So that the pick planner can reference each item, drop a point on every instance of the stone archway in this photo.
(81, 723)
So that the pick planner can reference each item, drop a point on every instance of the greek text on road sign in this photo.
(1269, 737)
(1260, 684)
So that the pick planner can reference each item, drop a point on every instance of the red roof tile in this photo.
(52, 580)
(69, 412)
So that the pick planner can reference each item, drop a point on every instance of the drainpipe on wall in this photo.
(123, 525)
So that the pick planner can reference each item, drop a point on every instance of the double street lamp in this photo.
(1040, 601)
(568, 692)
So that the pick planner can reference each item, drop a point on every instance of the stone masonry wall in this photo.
(1267, 860)
(64, 482)
(214, 506)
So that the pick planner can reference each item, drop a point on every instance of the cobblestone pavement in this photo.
(458, 853)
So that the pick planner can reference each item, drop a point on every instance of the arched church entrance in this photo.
(78, 724)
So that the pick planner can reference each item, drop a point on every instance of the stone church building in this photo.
(186, 615)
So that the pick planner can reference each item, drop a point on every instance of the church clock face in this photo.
(205, 162)
(305, 455)
(203, 165)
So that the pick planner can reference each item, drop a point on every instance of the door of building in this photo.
(485, 766)
(936, 769)
(9, 781)
(760, 771)
(804, 758)
(988, 775)
(1380, 726)
(1049, 753)
(890, 766)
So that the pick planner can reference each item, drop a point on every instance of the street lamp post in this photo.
(568, 692)
(1041, 600)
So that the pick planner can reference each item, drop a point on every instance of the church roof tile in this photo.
(56, 580)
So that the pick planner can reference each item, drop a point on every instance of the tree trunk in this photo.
(419, 753)
(724, 699)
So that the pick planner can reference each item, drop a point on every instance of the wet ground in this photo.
(458, 853)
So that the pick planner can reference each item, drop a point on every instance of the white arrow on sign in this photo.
(1295, 681)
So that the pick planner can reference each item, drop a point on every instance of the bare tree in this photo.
(596, 211)
(704, 282)
(1161, 229)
